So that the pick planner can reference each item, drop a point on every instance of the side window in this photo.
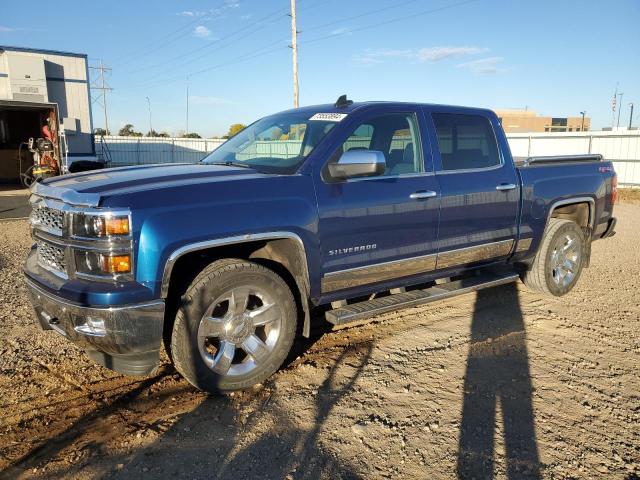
(465, 141)
(395, 135)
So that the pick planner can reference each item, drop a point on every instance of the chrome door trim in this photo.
(249, 237)
(476, 253)
(368, 274)
(524, 244)
(354, 277)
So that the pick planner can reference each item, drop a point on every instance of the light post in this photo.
(619, 109)
(150, 126)
(630, 115)
(583, 114)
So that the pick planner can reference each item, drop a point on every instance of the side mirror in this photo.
(358, 163)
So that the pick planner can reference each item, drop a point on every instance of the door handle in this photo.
(505, 186)
(423, 194)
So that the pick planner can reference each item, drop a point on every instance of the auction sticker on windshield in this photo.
(330, 117)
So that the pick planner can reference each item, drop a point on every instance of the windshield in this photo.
(275, 144)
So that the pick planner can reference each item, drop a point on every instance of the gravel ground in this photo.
(503, 382)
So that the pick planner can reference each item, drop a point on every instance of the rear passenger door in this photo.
(479, 188)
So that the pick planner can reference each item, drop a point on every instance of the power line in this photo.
(160, 43)
(387, 22)
(260, 52)
(167, 64)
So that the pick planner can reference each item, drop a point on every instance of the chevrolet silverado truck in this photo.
(346, 209)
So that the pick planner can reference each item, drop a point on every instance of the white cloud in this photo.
(7, 29)
(341, 31)
(233, 3)
(435, 54)
(420, 55)
(207, 100)
(192, 13)
(202, 31)
(485, 66)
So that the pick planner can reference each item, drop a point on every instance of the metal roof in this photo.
(42, 50)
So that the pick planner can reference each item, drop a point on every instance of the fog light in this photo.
(93, 326)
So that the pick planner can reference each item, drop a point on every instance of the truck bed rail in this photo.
(526, 161)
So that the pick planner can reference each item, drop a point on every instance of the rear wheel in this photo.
(560, 259)
(235, 326)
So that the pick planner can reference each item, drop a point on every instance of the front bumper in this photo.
(125, 338)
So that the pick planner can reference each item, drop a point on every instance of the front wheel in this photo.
(235, 326)
(557, 265)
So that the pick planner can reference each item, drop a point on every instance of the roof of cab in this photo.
(331, 108)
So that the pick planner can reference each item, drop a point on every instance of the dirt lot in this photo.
(505, 381)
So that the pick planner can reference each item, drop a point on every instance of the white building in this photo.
(33, 84)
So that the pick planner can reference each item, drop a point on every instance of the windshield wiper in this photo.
(230, 164)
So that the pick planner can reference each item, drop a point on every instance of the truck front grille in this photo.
(47, 217)
(51, 257)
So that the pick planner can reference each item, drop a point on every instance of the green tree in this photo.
(128, 131)
(101, 132)
(191, 135)
(235, 129)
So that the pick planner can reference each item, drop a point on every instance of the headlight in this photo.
(102, 264)
(97, 226)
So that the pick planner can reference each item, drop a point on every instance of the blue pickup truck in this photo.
(347, 209)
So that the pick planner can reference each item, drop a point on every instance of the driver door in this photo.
(374, 230)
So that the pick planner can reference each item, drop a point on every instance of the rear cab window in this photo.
(466, 142)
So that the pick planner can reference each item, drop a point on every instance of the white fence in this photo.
(622, 148)
(120, 151)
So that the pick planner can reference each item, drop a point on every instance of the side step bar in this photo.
(397, 301)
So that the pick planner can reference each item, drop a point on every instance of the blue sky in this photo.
(555, 57)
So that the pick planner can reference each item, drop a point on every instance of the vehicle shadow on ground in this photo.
(51, 447)
(497, 375)
(214, 441)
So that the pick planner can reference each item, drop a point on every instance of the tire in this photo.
(234, 328)
(558, 263)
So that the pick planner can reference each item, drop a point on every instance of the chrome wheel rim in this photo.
(239, 330)
(565, 259)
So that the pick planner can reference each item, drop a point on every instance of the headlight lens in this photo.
(97, 226)
(96, 263)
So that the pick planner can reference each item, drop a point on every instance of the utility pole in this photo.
(101, 84)
(630, 115)
(187, 105)
(583, 114)
(619, 109)
(294, 47)
(150, 126)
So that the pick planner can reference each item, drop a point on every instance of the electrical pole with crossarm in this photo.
(101, 84)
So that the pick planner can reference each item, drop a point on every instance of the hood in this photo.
(88, 188)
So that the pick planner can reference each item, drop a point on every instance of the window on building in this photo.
(465, 141)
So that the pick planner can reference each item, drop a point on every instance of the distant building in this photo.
(522, 121)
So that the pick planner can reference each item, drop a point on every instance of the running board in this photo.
(397, 301)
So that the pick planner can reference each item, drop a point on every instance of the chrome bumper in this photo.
(126, 338)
